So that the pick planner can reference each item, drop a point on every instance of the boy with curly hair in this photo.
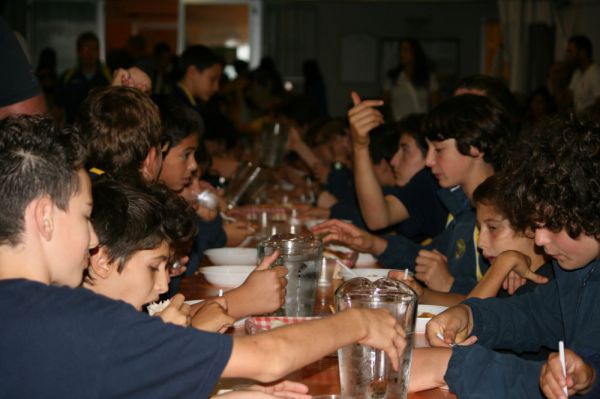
(551, 184)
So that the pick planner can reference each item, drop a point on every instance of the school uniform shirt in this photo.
(564, 309)
(457, 242)
(585, 87)
(340, 183)
(60, 342)
(74, 86)
(428, 215)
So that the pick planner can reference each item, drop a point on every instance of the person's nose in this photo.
(542, 237)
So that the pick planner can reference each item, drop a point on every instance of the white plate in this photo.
(226, 276)
(310, 223)
(365, 259)
(232, 256)
(422, 321)
(371, 274)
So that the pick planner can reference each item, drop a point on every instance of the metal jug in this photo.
(366, 372)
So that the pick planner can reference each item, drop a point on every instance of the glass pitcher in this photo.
(366, 372)
(301, 255)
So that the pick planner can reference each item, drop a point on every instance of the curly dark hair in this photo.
(553, 178)
(475, 121)
(36, 159)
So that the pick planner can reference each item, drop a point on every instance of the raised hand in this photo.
(363, 117)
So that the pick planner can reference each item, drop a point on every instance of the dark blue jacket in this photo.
(456, 242)
(564, 309)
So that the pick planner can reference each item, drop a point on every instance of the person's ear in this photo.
(43, 214)
(100, 264)
(151, 165)
(475, 152)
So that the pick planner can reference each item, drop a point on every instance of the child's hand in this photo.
(265, 286)
(181, 266)
(349, 235)
(132, 77)
(363, 117)
(316, 212)
(211, 316)
(262, 292)
(431, 267)
(177, 312)
(520, 264)
(580, 376)
(382, 332)
(453, 325)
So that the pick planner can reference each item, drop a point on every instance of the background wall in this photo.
(298, 30)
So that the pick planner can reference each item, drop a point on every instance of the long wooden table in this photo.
(322, 377)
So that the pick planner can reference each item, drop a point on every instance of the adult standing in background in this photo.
(75, 83)
(585, 82)
(411, 87)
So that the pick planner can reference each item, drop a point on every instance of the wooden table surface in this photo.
(322, 377)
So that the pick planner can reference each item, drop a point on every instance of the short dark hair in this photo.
(325, 130)
(490, 193)
(582, 42)
(36, 159)
(493, 88)
(412, 124)
(178, 120)
(119, 125)
(198, 56)
(552, 180)
(87, 37)
(129, 217)
(383, 142)
(473, 121)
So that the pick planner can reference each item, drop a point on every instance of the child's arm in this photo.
(427, 295)
(428, 368)
(581, 376)
(271, 355)
(506, 262)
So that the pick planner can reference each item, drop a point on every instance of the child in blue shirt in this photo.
(550, 188)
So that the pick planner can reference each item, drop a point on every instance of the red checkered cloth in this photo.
(265, 323)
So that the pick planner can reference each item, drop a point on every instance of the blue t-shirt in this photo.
(427, 213)
(59, 342)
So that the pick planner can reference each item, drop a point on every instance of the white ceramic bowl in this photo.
(310, 223)
(226, 276)
(371, 274)
(365, 259)
(422, 321)
(232, 256)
